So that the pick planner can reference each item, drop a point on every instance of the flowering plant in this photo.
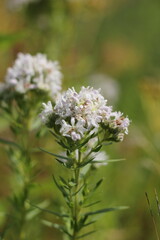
(31, 80)
(81, 123)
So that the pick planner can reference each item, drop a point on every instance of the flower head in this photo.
(119, 122)
(83, 111)
(34, 72)
(80, 114)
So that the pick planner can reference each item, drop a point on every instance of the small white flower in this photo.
(120, 122)
(34, 72)
(120, 137)
(73, 130)
(47, 111)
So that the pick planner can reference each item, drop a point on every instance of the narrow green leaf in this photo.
(85, 235)
(105, 210)
(91, 204)
(62, 144)
(4, 141)
(49, 211)
(87, 224)
(55, 135)
(60, 187)
(63, 180)
(78, 190)
(34, 212)
(35, 150)
(116, 160)
(97, 184)
(86, 162)
(60, 161)
(56, 155)
(66, 232)
(97, 148)
(55, 181)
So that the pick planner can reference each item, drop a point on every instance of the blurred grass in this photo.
(117, 38)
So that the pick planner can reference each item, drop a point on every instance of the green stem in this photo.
(76, 203)
(26, 176)
(25, 195)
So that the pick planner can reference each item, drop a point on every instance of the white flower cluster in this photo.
(83, 112)
(34, 72)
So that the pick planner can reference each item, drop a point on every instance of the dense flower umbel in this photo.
(34, 72)
(81, 114)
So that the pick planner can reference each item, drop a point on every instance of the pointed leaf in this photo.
(85, 235)
(60, 187)
(105, 210)
(97, 148)
(61, 161)
(97, 184)
(78, 190)
(62, 144)
(63, 180)
(34, 212)
(86, 162)
(116, 160)
(91, 204)
(56, 155)
(55, 135)
(4, 141)
(49, 211)
(87, 224)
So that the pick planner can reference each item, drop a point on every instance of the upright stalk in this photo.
(75, 208)
(24, 170)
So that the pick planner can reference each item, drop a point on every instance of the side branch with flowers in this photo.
(81, 123)
(31, 80)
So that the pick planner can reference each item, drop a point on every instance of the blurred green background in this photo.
(115, 45)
